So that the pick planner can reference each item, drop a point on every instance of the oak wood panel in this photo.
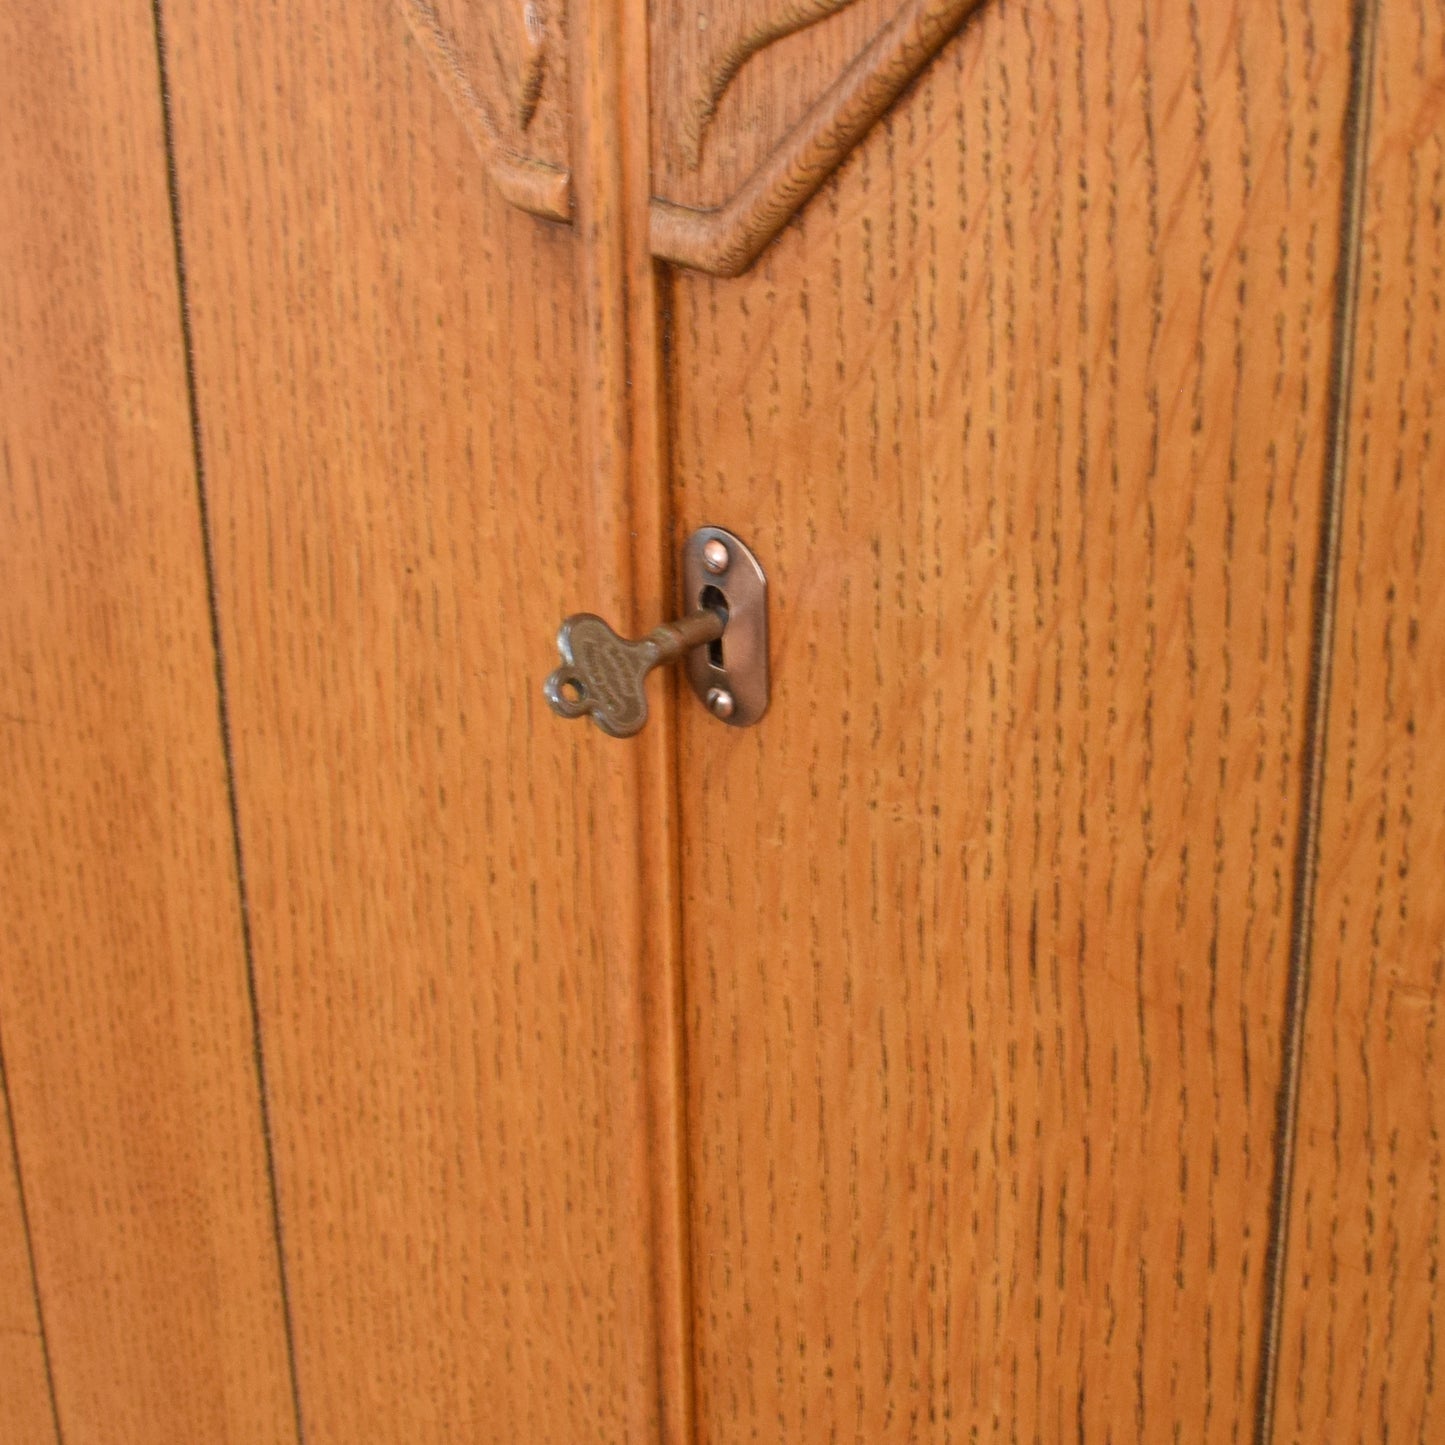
(123, 1003)
(415, 426)
(1364, 1307)
(25, 1410)
(986, 926)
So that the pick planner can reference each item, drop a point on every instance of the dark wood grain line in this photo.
(1316, 721)
(1103, 56)
(1148, 804)
(223, 718)
(1362, 1296)
(1087, 318)
(29, 1245)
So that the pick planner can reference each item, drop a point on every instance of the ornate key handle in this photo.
(603, 674)
(723, 639)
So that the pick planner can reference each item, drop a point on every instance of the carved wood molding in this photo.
(726, 241)
(756, 25)
(536, 185)
(722, 240)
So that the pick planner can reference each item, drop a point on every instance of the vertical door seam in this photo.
(664, 293)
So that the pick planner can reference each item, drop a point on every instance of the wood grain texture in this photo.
(409, 490)
(127, 1035)
(26, 1416)
(987, 925)
(1364, 1306)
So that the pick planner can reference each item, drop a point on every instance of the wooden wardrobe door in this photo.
(986, 928)
(416, 454)
(128, 1049)
(903, 1068)
(1360, 1347)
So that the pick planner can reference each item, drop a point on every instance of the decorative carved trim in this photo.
(723, 67)
(723, 241)
(534, 62)
(726, 241)
(536, 186)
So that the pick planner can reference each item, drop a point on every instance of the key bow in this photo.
(603, 675)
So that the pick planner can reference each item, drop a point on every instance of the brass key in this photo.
(603, 674)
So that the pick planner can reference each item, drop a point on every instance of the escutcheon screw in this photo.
(720, 703)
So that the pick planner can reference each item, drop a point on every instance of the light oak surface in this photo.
(986, 927)
(1364, 1308)
(414, 430)
(904, 1068)
(127, 1036)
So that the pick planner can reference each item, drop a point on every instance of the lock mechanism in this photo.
(722, 639)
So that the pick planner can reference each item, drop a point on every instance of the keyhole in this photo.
(713, 597)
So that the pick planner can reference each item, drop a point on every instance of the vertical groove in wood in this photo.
(663, 786)
(987, 925)
(629, 526)
(28, 1408)
(1363, 1306)
(122, 988)
(198, 459)
(1356, 140)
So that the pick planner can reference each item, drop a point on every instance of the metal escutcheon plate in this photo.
(734, 669)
